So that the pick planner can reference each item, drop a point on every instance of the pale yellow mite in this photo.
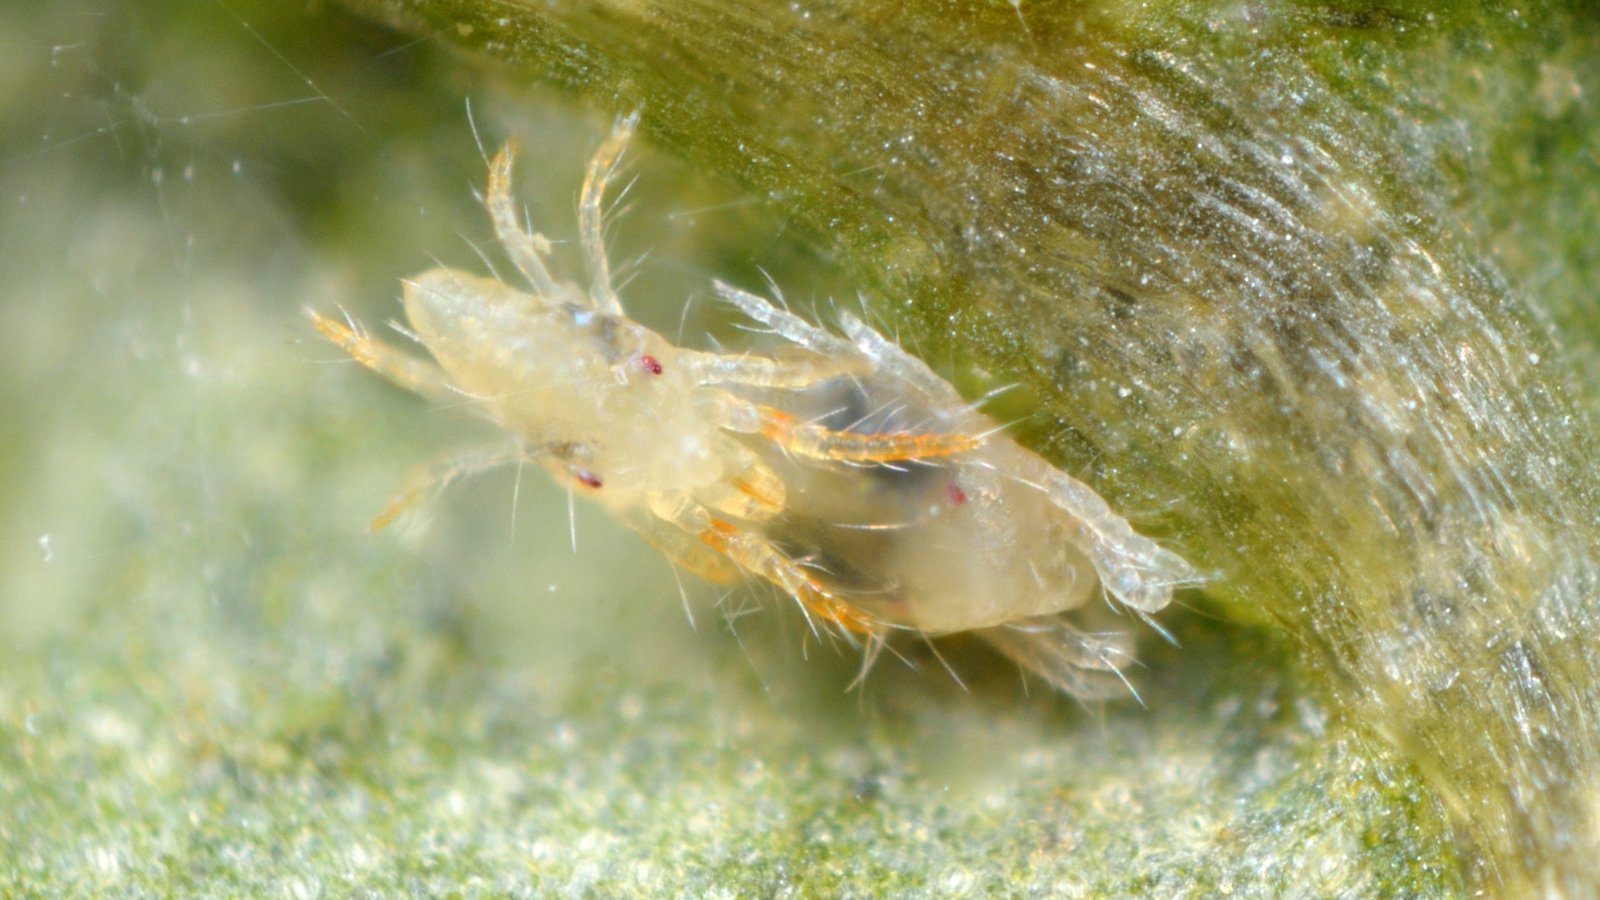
(842, 470)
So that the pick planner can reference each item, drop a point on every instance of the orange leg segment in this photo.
(409, 372)
(849, 446)
(758, 556)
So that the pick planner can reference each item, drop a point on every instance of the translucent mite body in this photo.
(839, 469)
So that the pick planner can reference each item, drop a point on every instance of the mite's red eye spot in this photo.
(650, 364)
(589, 479)
(955, 494)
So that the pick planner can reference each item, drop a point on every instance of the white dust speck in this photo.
(958, 881)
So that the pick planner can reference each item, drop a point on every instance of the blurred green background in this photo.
(212, 679)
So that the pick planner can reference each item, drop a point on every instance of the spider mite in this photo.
(836, 467)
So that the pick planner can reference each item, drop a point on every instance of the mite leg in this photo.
(766, 372)
(527, 250)
(684, 551)
(440, 474)
(591, 213)
(787, 324)
(868, 344)
(405, 370)
(1134, 569)
(814, 441)
(888, 357)
(759, 557)
(1086, 666)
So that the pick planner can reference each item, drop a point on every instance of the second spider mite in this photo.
(840, 469)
